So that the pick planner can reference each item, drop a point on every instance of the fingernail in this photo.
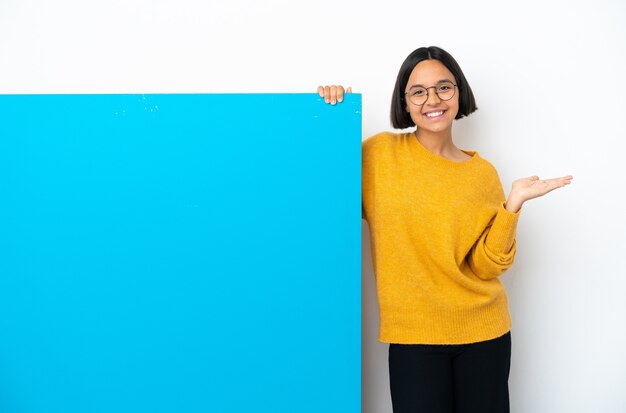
(326, 100)
(340, 100)
(333, 102)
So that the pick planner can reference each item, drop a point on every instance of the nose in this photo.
(432, 95)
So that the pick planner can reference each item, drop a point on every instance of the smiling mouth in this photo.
(435, 114)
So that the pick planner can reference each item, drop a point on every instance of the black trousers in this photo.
(465, 378)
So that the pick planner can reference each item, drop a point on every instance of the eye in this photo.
(444, 88)
(418, 92)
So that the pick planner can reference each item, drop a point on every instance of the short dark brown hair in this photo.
(400, 118)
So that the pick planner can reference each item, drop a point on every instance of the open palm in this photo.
(533, 187)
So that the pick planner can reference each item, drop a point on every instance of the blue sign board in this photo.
(180, 253)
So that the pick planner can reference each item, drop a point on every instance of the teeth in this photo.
(433, 114)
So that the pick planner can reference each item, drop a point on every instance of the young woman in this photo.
(442, 233)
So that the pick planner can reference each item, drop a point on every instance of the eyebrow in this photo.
(441, 81)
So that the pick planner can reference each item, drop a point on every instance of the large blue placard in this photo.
(180, 253)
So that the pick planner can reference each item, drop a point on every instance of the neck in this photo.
(439, 143)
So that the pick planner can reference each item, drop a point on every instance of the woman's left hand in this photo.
(532, 187)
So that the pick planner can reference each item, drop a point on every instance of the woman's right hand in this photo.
(333, 94)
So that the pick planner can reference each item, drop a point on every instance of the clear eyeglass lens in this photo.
(445, 91)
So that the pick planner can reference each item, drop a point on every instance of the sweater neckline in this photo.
(438, 158)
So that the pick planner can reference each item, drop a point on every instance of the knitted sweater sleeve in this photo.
(494, 252)
(367, 176)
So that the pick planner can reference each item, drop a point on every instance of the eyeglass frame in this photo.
(428, 93)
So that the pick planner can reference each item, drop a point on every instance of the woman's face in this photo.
(429, 116)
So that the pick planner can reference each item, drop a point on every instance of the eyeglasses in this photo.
(419, 95)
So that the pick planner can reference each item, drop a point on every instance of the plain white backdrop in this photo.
(548, 77)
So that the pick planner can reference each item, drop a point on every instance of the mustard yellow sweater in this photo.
(440, 239)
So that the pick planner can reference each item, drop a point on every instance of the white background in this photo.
(548, 77)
